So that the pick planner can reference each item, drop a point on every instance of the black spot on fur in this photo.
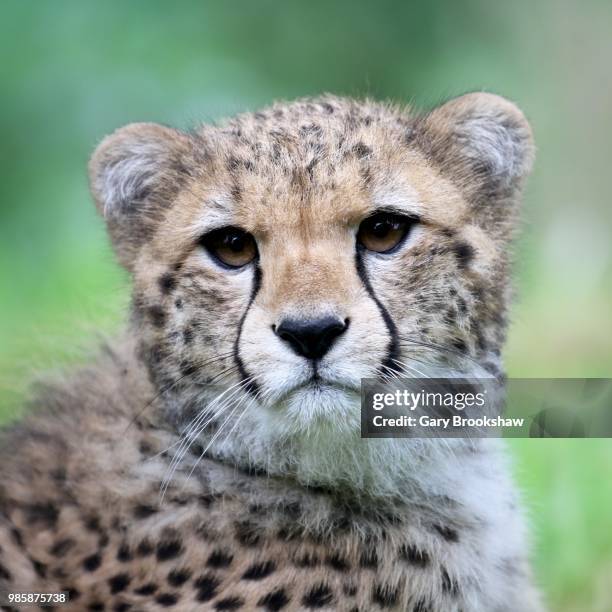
(188, 368)
(118, 582)
(414, 556)
(92, 563)
(123, 553)
(45, 513)
(274, 601)
(39, 568)
(144, 549)
(362, 150)
(464, 254)
(188, 335)
(145, 448)
(96, 606)
(169, 549)
(384, 596)
(449, 585)
(219, 558)
(166, 599)
(246, 533)
(229, 603)
(236, 192)
(318, 596)
(337, 562)
(421, 606)
(349, 589)
(177, 577)
(103, 540)
(17, 537)
(369, 559)
(307, 560)
(4, 573)
(258, 571)
(122, 607)
(146, 589)
(460, 345)
(73, 594)
(142, 511)
(157, 316)
(206, 587)
(449, 534)
(167, 283)
(61, 547)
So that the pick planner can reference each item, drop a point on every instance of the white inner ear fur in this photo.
(121, 182)
(486, 138)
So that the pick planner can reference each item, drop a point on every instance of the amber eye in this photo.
(231, 246)
(383, 232)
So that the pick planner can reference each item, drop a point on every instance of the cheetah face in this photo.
(281, 257)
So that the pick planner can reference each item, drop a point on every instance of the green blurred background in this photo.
(70, 72)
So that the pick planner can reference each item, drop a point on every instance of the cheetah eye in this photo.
(231, 246)
(383, 232)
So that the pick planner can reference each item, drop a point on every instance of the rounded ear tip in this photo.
(130, 141)
(494, 105)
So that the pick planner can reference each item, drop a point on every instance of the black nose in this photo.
(311, 338)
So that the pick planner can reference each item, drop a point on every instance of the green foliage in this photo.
(73, 71)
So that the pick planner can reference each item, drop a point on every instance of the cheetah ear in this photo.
(134, 174)
(482, 142)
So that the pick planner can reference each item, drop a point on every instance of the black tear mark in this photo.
(393, 352)
(251, 386)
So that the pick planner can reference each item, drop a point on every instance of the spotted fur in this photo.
(196, 464)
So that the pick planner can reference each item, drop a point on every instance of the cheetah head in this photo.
(280, 257)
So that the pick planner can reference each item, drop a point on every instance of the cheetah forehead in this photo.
(312, 164)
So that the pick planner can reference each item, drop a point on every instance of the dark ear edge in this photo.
(482, 142)
(134, 174)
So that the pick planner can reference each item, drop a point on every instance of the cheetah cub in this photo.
(211, 458)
